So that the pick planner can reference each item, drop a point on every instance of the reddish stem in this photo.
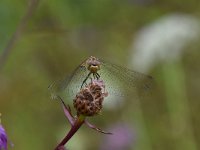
(77, 124)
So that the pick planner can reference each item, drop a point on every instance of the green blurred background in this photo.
(61, 34)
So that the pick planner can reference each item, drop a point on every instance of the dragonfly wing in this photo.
(131, 79)
(124, 83)
(69, 86)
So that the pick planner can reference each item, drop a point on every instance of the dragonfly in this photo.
(120, 81)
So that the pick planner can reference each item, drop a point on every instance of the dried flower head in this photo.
(88, 101)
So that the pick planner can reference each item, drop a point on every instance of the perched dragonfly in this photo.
(120, 82)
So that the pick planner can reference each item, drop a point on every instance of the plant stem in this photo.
(29, 13)
(77, 124)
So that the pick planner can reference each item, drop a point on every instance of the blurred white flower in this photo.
(163, 40)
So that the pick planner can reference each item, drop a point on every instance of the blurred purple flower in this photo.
(3, 138)
(123, 137)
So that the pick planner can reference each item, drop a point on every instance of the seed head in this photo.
(89, 99)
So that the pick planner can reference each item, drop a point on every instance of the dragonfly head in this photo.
(93, 64)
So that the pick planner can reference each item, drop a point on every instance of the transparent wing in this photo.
(122, 83)
(68, 87)
(131, 80)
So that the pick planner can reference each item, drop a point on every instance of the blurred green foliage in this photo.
(58, 37)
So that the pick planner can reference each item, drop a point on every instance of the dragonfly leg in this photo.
(91, 79)
(96, 75)
(84, 81)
